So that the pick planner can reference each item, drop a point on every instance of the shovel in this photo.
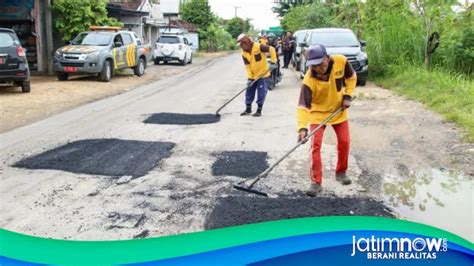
(247, 185)
(240, 92)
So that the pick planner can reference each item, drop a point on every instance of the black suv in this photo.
(13, 64)
(339, 41)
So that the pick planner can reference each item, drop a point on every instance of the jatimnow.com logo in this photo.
(420, 248)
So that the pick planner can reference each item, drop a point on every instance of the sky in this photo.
(260, 11)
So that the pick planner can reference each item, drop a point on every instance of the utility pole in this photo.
(236, 7)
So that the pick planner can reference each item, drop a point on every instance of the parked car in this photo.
(13, 64)
(173, 48)
(339, 41)
(100, 51)
(298, 37)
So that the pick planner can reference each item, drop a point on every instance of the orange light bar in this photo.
(104, 28)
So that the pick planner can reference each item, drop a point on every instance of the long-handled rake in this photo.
(240, 92)
(247, 185)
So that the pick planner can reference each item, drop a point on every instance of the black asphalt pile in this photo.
(111, 157)
(182, 119)
(237, 210)
(240, 163)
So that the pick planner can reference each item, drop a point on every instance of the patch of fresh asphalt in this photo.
(238, 210)
(240, 163)
(110, 157)
(182, 119)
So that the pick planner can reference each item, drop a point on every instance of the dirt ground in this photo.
(49, 96)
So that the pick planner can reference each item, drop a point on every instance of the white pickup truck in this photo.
(173, 48)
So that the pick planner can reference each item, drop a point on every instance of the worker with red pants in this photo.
(327, 85)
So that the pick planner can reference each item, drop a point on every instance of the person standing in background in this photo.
(287, 49)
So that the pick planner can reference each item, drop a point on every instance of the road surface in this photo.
(405, 162)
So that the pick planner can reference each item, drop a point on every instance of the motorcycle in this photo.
(275, 77)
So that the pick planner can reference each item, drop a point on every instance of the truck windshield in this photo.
(168, 39)
(93, 38)
(300, 37)
(334, 39)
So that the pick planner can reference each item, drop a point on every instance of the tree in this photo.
(236, 26)
(283, 7)
(432, 12)
(197, 12)
(76, 16)
(315, 15)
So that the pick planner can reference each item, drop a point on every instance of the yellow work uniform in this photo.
(256, 60)
(319, 97)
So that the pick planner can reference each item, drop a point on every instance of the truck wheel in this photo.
(62, 76)
(107, 71)
(157, 62)
(139, 69)
(191, 59)
(184, 62)
(25, 86)
(362, 82)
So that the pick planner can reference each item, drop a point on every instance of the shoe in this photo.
(257, 114)
(246, 112)
(343, 178)
(314, 190)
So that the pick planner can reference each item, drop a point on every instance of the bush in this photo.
(216, 39)
(448, 93)
(76, 16)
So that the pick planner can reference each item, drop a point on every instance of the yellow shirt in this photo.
(263, 41)
(256, 61)
(320, 98)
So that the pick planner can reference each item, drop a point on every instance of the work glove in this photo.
(249, 82)
(346, 103)
(273, 66)
(303, 132)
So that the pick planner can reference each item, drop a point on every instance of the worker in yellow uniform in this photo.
(258, 70)
(327, 85)
(263, 39)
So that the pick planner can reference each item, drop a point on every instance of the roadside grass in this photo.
(450, 94)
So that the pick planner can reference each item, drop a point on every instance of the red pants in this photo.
(343, 141)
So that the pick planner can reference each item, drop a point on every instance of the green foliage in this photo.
(348, 14)
(236, 26)
(212, 36)
(76, 16)
(197, 12)
(311, 16)
(456, 49)
(448, 93)
(393, 34)
(214, 39)
(283, 7)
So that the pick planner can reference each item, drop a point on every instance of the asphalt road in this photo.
(394, 165)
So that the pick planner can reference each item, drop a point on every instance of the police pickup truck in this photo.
(101, 51)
